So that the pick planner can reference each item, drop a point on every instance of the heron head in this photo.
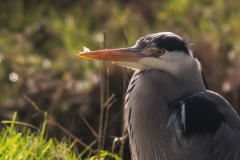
(164, 51)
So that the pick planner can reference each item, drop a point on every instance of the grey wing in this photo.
(225, 145)
(204, 130)
(226, 140)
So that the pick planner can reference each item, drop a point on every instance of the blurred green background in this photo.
(39, 40)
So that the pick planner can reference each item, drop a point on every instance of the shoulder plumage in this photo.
(196, 115)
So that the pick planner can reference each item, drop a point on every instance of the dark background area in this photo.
(39, 41)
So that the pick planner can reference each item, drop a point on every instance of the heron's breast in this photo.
(146, 115)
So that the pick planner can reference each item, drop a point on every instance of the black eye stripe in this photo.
(171, 43)
(167, 41)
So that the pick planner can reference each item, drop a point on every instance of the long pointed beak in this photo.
(121, 54)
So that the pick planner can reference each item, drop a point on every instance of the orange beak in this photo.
(121, 54)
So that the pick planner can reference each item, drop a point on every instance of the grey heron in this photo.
(169, 112)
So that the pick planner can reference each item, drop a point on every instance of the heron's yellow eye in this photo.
(160, 52)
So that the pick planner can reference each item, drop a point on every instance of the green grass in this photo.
(26, 145)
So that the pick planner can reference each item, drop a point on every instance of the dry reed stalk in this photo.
(124, 93)
(57, 124)
(102, 98)
(88, 125)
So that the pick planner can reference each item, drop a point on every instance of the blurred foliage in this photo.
(39, 41)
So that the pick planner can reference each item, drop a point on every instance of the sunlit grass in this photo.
(26, 145)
